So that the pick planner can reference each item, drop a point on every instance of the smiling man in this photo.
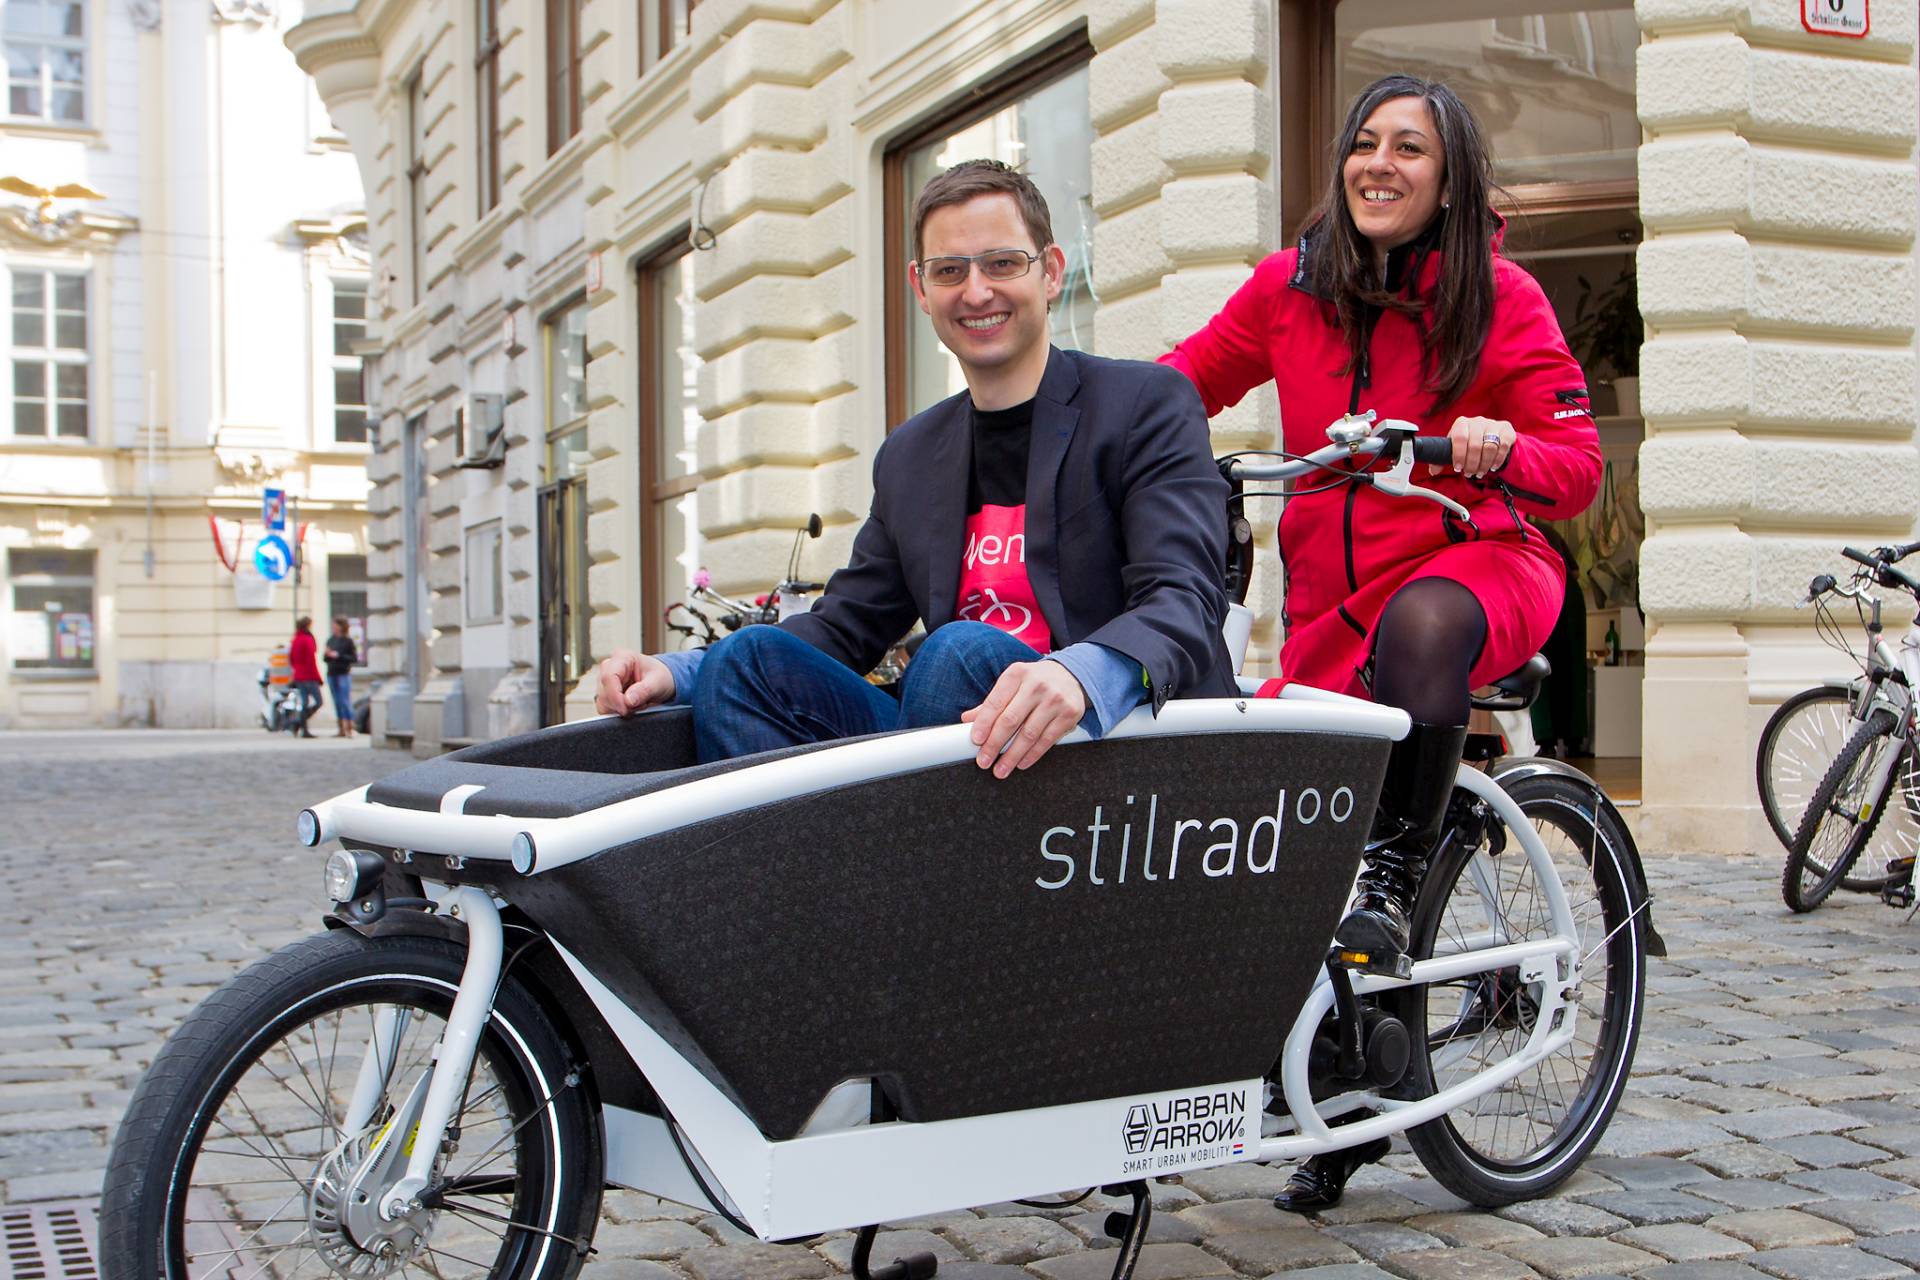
(1059, 527)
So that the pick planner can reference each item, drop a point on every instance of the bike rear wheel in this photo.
(1800, 740)
(1528, 1135)
(231, 1160)
(1840, 817)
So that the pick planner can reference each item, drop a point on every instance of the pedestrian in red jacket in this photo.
(1397, 300)
(302, 654)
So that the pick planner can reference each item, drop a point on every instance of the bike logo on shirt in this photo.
(1004, 615)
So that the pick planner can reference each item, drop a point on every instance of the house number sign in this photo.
(1835, 17)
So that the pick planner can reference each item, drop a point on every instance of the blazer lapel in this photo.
(950, 465)
(1054, 421)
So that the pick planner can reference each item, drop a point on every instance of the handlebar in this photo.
(1881, 563)
(1357, 437)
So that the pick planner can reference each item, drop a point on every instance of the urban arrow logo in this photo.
(1139, 1124)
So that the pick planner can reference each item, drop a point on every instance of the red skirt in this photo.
(1520, 586)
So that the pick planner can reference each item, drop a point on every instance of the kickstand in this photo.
(1130, 1229)
(915, 1266)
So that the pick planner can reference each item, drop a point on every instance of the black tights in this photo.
(1429, 637)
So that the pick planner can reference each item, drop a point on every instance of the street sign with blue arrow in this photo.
(273, 557)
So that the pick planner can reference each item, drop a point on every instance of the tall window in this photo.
(676, 20)
(669, 430)
(566, 334)
(349, 377)
(46, 60)
(417, 184)
(1037, 120)
(49, 354)
(565, 652)
(486, 94)
(485, 590)
(563, 72)
(50, 626)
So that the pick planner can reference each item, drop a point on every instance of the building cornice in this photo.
(22, 227)
(331, 38)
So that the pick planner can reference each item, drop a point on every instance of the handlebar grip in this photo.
(1905, 549)
(1858, 556)
(1433, 449)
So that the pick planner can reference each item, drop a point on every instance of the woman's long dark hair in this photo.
(1340, 267)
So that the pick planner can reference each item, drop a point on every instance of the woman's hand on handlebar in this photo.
(1480, 445)
(631, 682)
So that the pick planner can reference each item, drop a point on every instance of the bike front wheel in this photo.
(1800, 740)
(1529, 1134)
(1841, 816)
(233, 1158)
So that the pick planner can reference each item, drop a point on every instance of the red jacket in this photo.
(1348, 547)
(300, 656)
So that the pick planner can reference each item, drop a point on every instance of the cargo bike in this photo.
(839, 985)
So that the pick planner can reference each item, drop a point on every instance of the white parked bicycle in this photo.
(845, 984)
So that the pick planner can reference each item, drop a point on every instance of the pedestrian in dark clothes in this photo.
(341, 655)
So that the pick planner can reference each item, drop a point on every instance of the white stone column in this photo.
(1777, 190)
(1183, 181)
(771, 105)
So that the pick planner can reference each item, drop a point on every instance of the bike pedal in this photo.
(1385, 966)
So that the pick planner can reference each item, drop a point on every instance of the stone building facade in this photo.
(183, 308)
(643, 304)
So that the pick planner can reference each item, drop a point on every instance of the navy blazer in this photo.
(1126, 527)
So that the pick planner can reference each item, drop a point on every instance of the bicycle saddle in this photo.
(1516, 691)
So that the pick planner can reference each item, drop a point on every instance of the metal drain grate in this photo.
(54, 1241)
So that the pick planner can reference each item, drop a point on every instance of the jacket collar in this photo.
(1412, 268)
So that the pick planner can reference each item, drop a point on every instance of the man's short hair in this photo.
(340, 620)
(972, 178)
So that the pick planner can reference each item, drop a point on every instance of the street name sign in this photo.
(1836, 17)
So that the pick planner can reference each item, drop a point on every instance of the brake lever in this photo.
(1398, 480)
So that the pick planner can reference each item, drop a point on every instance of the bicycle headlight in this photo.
(352, 873)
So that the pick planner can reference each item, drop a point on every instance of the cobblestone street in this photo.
(1767, 1132)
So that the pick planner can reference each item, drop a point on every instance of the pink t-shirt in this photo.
(994, 587)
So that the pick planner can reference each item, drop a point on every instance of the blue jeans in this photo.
(341, 687)
(762, 688)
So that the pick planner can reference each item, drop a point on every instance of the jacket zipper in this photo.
(1362, 377)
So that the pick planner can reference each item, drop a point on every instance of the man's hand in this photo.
(631, 682)
(1032, 706)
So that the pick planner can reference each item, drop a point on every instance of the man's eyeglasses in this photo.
(995, 264)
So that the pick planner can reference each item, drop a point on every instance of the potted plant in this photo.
(1607, 331)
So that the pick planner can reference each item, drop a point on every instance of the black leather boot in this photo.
(1413, 800)
(1319, 1183)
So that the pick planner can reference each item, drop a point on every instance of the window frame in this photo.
(1310, 115)
(656, 494)
(338, 363)
(80, 45)
(51, 356)
(1061, 57)
(486, 91)
(552, 326)
(91, 581)
(564, 103)
(492, 531)
(673, 33)
(416, 176)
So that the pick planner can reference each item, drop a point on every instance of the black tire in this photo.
(193, 1137)
(1800, 740)
(1527, 1136)
(1834, 829)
